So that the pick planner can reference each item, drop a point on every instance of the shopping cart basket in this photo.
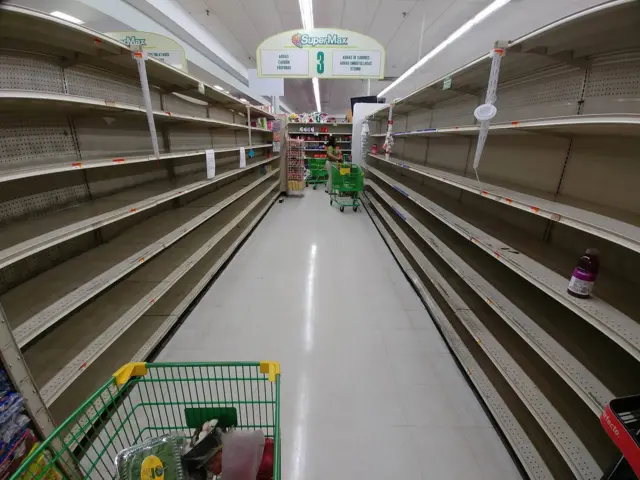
(347, 181)
(621, 421)
(317, 172)
(147, 400)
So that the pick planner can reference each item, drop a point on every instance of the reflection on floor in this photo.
(369, 389)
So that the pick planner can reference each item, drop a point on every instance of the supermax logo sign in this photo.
(302, 40)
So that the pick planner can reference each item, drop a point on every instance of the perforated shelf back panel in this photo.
(226, 115)
(552, 94)
(93, 83)
(614, 85)
(454, 112)
(175, 104)
(31, 141)
(33, 73)
(104, 137)
(185, 138)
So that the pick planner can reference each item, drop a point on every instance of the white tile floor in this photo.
(369, 390)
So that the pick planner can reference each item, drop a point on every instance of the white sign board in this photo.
(210, 159)
(321, 53)
(161, 48)
(243, 158)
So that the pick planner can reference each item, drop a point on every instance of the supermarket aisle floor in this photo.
(369, 389)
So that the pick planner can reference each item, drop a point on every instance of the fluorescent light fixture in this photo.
(316, 92)
(244, 100)
(66, 17)
(485, 13)
(306, 12)
(218, 87)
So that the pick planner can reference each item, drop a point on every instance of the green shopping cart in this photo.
(147, 400)
(317, 172)
(347, 181)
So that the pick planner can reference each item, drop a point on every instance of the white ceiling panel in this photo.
(389, 19)
(328, 13)
(289, 14)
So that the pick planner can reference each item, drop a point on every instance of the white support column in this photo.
(249, 125)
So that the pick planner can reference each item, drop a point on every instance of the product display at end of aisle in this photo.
(179, 421)
(347, 182)
(315, 117)
(295, 166)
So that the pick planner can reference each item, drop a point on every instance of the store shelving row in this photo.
(620, 232)
(149, 331)
(30, 236)
(495, 247)
(60, 357)
(86, 275)
(105, 244)
(25, 29)
(619, 124)
(24, 101)
(561, 435)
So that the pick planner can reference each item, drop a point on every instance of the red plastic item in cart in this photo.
(621, 421)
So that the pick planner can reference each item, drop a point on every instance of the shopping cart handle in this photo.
(272, 368)
(125, 372)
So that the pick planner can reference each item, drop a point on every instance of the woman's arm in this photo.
(333, 157)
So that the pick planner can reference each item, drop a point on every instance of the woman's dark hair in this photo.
(331, 142)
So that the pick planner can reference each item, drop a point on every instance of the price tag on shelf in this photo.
(243, 158)
(210, 159)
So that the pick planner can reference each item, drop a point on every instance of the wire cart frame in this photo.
(146, 400)
(317, 171)
(347, 182)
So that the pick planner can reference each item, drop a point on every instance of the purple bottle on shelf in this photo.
(584, 275)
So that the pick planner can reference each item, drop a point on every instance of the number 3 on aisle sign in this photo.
(320, 66)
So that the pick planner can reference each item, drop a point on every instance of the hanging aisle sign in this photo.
(321, 53)
(162, 48)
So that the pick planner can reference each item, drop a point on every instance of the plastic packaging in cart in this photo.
(242, 454)
(152, 459)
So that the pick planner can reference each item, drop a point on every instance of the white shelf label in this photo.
(210, 158)
(285, 63)
(243, 158)
(356, 63)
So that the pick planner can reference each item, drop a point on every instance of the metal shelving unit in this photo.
(105, 244)
(529, 457)
(494, 248)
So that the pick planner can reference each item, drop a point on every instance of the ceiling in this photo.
(242, 24)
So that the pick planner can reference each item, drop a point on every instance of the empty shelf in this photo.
(558, 430)
(150, 329)
(77, 281)
(616, 231)
(526, 452)
(59, 357)
(22, 26)
(582, 381)
(16, 101)
(611, 124)
(24, 238)
(33, 170)
(614, 324)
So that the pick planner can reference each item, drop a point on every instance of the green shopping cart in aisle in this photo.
(347, 181)
(317, 172)
(164, 404)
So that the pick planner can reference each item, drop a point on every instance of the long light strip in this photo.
(306, 12)
(485, 13)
